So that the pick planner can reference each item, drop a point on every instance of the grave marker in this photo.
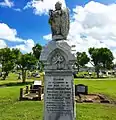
(81, 89)
(58, 66)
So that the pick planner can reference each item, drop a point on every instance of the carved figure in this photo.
(59, 61)
(59, 21)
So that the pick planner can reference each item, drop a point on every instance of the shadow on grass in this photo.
(15, 84)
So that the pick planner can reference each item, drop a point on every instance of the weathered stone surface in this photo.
(58, 66)
(59, 50)
(59, 101)
(59, 21)
(59, 88)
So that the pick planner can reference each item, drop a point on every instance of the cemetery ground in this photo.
(13, 109)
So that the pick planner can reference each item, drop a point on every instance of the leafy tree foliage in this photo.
(26, 62)
(37, 50)
(82, 59)
(101, 58)
(8, 58)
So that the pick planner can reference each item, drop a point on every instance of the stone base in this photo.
(58, 37)
(59, 96)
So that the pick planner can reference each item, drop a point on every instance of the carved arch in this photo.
(58, 59)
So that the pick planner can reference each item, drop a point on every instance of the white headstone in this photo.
(36, 82)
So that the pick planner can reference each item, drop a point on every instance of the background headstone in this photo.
(81, 89)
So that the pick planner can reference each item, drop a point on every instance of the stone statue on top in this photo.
(59, 21)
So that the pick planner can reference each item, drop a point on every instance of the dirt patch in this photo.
(92, 98)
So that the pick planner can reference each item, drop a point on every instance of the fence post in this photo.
(21, 94)
(42, 89)
(27, 89)
(39, 93)
(31, 86)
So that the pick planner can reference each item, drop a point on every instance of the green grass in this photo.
(12, 109)
(106, 86)
(12, 80)
(95, 112)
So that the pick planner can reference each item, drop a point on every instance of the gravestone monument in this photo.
(81, 89)
(58, 66)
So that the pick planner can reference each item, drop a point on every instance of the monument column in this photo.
(58, 61)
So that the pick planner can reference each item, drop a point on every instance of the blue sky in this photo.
(29, 25)
(24, 23)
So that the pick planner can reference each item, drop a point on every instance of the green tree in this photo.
(37, 50)
(26, 62)
(82, 59)
(8, 58)
(101, 58)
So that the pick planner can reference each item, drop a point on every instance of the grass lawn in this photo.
(12, 109)
(104, 86)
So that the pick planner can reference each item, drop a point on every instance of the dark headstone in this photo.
(0, 74)
(81, 89)
(21, 94)
(27, 89)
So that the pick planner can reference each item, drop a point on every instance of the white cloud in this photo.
(48, 37)
(7, 3)
(42, 7)
(17, 9)
(114, 53)
(95, 21)
(93, 25)
(2, 44)
(8, 33)
(26, 47)
(98, 23)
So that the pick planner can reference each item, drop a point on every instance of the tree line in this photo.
(11, 59)
(100, 58)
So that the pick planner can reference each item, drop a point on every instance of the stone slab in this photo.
(59, 97)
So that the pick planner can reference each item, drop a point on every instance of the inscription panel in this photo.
(59, 97)
(81, 89)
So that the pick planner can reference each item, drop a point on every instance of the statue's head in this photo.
(58, 5)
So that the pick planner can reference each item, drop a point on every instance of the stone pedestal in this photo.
(58, 82)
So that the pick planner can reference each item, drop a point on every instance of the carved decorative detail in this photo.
(58, 60)
(59, 21)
